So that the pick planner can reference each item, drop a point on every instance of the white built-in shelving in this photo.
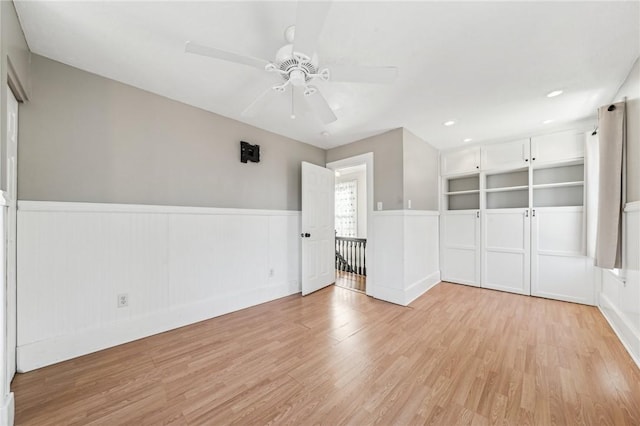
(463, 192)
(559, 185)
(516, 222)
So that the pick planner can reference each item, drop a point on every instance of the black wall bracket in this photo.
(249, 152)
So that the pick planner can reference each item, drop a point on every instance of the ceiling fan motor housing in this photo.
(296, 67)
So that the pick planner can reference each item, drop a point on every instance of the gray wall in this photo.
(86, 138)
(387, 165)
(405, 168)
(631, 89)
(14, 67)
(420, 173)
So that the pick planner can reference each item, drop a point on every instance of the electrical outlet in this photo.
(271, 273)
(123, 300)
(379, 205)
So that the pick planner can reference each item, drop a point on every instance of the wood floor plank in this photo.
(457, 355)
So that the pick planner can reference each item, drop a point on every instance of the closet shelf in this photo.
(508, 188)
(558, 184)
(472, 191)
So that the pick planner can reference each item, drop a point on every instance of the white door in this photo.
(318, 233)
(506, 250)
(12, 198)
(559, 268)
(505, 155)
(562, 146)
(460, 161)
(460, 247)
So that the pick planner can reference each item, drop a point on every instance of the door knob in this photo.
(305, 235)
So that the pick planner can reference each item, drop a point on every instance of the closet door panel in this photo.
(505, 155)
(506, 250)
(560, 231)
(460, 247)
(460, 161)
(567, 278)
(559, 268)
(557, 147)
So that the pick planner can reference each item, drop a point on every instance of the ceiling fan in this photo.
(297, 64)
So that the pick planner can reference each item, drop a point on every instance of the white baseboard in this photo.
(392, 295)
(7, 411)
(420, 287)
(403, 297)
(626, 334)
(46, 352)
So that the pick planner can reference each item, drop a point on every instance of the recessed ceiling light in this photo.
(554, 93)
(547, 121)
(449, 123)
(325, 133)
(467, 140)
(337, 173)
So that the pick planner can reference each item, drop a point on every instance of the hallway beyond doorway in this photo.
(351, 281)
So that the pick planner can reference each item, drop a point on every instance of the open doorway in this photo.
(351, 227)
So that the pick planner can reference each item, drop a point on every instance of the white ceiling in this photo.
(486, 65)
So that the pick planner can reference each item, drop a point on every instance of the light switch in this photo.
(379, 205)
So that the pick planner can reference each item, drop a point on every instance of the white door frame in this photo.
(11, 237)
(358, 160)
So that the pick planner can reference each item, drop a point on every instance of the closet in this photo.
(513, 217)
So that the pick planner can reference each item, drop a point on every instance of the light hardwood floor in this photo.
(351, 281)
(458, 355)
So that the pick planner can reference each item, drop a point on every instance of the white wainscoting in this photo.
(178, 265)
(406, 255)
(7, 403)
(619, 299)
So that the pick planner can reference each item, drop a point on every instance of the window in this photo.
(346, 209)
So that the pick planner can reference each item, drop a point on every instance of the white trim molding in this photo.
(633, 206)
(406, 213)
(628, 336)
(178, 265)
(60, 206)
(7, 410)
(367, 160)
(407, 254)
(619, 296)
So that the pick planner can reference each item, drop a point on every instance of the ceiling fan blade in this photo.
(261, 103)
(360, 74)
(212, 52)
(319, 104)
(310, 17)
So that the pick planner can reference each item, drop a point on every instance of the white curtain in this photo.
(612, 143)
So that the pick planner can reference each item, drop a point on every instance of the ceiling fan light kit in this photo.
(296, 68)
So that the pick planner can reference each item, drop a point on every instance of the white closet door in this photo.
(460, 161)
(460, 247)
(505, 155)
(506, 250)
(559, 268)
(556, 147)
